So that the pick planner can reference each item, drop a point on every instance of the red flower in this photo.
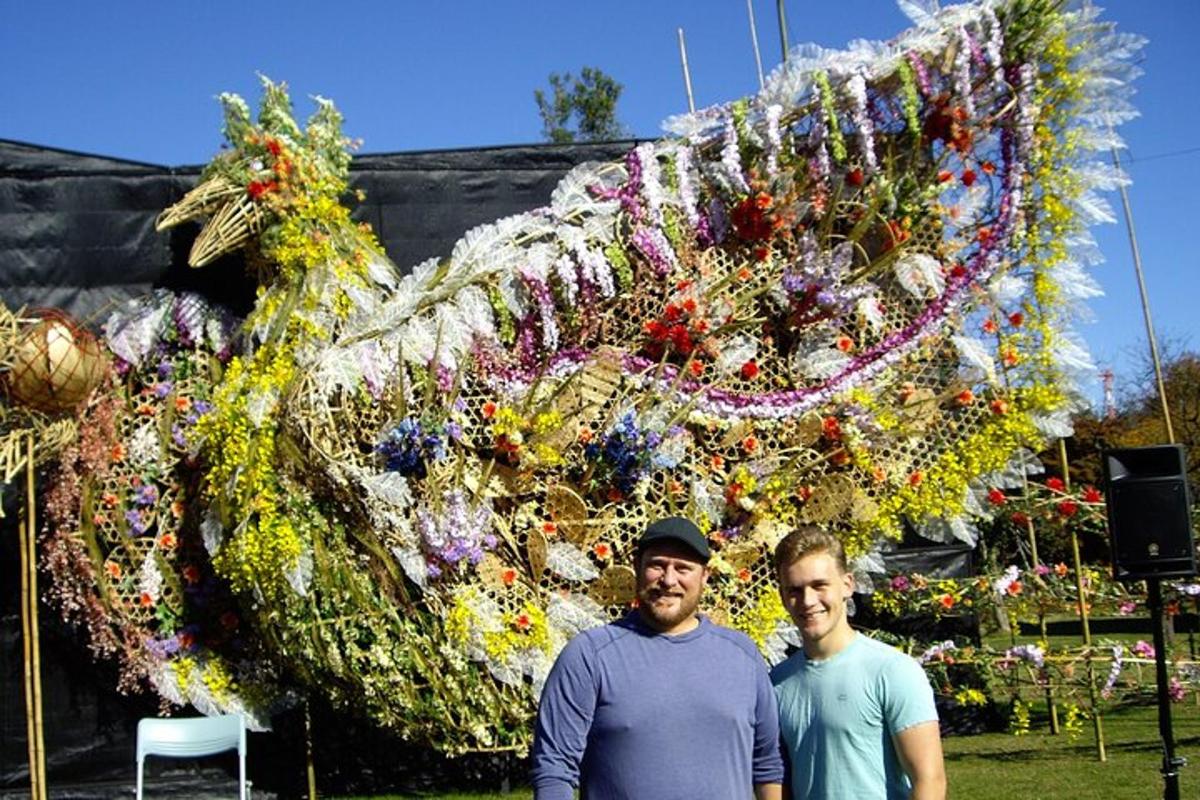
(229, 620)
(988, 167)
(915, 478)
(944, 176)
(191, 574)
(508, 577)
(855, 177)
(489, 410)
(999, 407)
(689, 306)
(965, 398)
(989, 325)
(549, 528)
(145, 600)
(1021, 519)
(1061, 569)
(697, 368)
(1014, 588)
(744, 575)
(1055, 484)
(257, 189)
(997, 497)
(523, 622)
(831, 428)
(274, 146)
(750, 222)
(984, 235)
(750, 370)
(602, 550)
(1016, 319)
(1092, 495)
(1068, 508)
(750, 443)
(968, 177)
(946, 601)
(844, 343)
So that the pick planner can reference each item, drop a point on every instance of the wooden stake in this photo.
(27, 648)
(1085, 628)
(309, 766)
(35, 639)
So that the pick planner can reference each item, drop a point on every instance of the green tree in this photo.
(589, 102)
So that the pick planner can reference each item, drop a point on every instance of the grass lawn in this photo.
(1039, 765)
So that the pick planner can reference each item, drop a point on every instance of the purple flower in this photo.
(146, 495)
(1042, 570)
(137, 526)
(163, 389)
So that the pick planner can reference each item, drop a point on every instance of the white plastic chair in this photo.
(189, 737)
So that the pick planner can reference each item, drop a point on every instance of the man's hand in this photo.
(768, 791)
(920, 752)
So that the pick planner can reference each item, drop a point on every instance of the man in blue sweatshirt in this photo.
(662, 704)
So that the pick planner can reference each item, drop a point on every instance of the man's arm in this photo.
(768, 791)
(564, 719)
(920, 750)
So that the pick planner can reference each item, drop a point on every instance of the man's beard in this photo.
(666, 618)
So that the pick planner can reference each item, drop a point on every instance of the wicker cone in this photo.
(199, 202)
(234, 225)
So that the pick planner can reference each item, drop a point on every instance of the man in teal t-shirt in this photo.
(857, 716)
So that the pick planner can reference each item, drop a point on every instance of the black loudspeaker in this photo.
(1149, 512)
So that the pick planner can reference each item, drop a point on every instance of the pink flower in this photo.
(1126, 608)
(1143, 649)
(1175, 690)
(900, 583)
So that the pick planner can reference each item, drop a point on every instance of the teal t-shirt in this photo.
(838, 716)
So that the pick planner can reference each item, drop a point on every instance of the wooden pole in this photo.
(1051, 708)
(754, 42)
(27, 652)
(1145, 297)
(687, 75)
(309, 766)
(31, 530)
(1085, 627)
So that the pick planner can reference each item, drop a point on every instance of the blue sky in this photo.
(138, 80)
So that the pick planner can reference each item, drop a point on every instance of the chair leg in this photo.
(139, 780)
(242, 776)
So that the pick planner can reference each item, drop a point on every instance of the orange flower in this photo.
(602, 551)
(489, 410)
(167, 541)
(744, 274)
(508, 577)
(750, 443)
(743, 575)
(113, 569)
(697, 368)
(878, 474)
(844, 343)
(915, 478)
(989, 325)
(831, 428)
(109, 499)
(965, 398)
(523, 622)
(182, 404)
(804, 492)
(907, 389)
(117, 453)
(675, 487)
(840, 458)
(585, 434)
(146, 410)
(1014, 588)
(1060, 569)
(146, 600)
(1010, 357)
(549, 527)
(946, 601)
(999, 406)
(717, 462)
(99, 519)
(177, 509)
(186, 640)
(614, 495)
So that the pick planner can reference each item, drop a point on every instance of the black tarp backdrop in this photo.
(77, 233)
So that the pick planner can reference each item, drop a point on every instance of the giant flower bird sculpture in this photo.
(845, 300)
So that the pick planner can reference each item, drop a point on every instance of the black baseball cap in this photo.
(677, 529)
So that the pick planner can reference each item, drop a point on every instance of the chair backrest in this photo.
(184, 737)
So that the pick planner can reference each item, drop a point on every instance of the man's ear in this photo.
(848, 580)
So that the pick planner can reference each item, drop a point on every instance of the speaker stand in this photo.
(1170, 763)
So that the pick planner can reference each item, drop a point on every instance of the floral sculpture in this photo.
(845, 301)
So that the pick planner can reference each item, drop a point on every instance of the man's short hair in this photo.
(805, 541)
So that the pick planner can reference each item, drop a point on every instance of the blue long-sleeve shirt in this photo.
(629, 713)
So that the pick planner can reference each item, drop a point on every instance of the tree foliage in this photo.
(580, 109)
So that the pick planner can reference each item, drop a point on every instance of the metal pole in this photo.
(783, 39)
(1141, 280)
(754, 42)
(687, 75)
(1170, 763)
